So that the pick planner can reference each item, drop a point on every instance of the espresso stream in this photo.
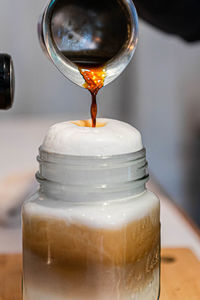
(94, 76)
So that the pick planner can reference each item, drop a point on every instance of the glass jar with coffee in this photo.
(92, 231)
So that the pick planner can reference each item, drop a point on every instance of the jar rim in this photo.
(57, 157)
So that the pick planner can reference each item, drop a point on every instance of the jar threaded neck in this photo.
(96, 177)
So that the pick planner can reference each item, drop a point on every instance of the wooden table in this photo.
(180, 276)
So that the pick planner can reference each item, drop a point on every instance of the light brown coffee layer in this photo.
(81, 262)
(69, 243)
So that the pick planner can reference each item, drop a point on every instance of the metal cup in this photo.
(73, 32)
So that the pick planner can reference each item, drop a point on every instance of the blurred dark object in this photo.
(7, 82)
(179, 17)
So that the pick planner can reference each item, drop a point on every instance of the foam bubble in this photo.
(112, 137)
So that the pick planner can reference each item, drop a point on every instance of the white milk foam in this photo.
(105, 215)
(114, 138)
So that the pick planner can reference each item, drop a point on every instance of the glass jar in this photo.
(92, 231)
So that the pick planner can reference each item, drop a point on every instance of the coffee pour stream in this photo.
(90, 42)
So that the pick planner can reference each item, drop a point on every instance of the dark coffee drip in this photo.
(92, 68)
(94, 76)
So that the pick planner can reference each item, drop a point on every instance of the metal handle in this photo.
(7, 82)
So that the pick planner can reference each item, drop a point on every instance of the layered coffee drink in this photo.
(92, 232)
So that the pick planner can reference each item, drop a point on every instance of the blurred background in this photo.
(159, 93)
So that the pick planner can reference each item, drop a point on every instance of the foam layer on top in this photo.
(110, 137)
